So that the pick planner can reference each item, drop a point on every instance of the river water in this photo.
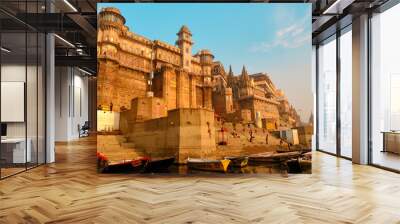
(249, 169)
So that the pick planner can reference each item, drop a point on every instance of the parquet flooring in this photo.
(70, 191)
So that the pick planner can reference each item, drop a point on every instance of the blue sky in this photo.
(271, 38)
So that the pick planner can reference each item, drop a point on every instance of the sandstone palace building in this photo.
(150, 78)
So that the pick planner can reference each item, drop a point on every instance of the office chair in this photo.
(84, 130)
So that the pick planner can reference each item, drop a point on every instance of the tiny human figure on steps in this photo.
(234, 132)
(251, 135)
(266, 139)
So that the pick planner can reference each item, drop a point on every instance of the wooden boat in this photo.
(307, 155)
(305, 163)
(273, 157)
(238, 161)
(158, 165)
(124, 166)
(293, 166)
(303, 151)
(208, 165)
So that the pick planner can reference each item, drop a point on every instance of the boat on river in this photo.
(123, 166)
(158, 165)
(274, 156)
(208, 165)
(238, 161)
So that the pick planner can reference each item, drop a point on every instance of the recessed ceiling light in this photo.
(70, 5)
(337, 7)
(5, 50)
(64, 40)
(86, 72)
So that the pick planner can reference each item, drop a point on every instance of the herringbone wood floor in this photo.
(70, 191)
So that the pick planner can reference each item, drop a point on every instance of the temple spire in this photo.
(245, 75)
(230, 71)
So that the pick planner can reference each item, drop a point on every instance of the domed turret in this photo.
(206, 61)
(206, 58)
(184, 29)
(111, 15)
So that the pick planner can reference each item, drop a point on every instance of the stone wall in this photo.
(222, 101)
(142, 109)
(181, 89)
(183, 133)
(115, 85)
(245, 115)
(305, 135)
(219, 103)
(267, 110)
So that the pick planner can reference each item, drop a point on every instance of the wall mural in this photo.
(204, 88)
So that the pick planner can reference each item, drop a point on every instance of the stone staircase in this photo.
(241, 145)
(125, 142)
(117, 147)
(243, 132)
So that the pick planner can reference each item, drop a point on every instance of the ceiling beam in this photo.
(78, 61)
(86, 26)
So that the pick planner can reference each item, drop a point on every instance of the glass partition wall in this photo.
(334, 89)
(327, 96)
(345, 61)
(334, 105)
(385, 89)
(22, 77)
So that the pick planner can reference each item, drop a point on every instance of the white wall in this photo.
(80, 110)
(61, 103)
(71, 102)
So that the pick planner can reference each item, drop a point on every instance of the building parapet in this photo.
(259, 98)
(167, 46)
(138, 38)
(196, 60)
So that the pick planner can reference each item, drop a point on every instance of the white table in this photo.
(18, 144)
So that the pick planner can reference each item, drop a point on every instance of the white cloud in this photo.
(286, 30)
(292, 36)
